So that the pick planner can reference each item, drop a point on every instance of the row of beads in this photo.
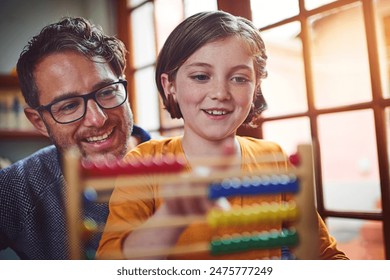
(230, 187)
(167, 164)
(252, 214)
(254, 185)
(245, 242)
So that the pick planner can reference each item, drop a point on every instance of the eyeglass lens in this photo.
(73, 108)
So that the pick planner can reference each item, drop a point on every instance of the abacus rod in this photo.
(142, 253)
(107, 183)
(265, 215)
(254, 241)
(234, 161)
(177, 250)
(204, 162)
(171, 222)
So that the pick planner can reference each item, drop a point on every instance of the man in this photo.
(72, 78)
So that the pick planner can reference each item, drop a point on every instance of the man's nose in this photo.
(94, 115)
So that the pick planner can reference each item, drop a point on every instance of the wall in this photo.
(20, 20)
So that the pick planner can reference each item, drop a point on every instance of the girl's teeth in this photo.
(216, 112)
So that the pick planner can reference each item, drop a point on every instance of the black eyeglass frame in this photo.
(86, 97)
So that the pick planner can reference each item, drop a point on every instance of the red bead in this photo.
(294, 159)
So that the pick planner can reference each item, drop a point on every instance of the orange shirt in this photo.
(126, 211)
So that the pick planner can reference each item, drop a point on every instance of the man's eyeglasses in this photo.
(71, 109)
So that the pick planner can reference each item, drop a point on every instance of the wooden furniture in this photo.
(90, 180)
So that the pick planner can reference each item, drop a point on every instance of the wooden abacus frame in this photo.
(103, 176)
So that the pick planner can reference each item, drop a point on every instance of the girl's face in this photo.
(215, 89)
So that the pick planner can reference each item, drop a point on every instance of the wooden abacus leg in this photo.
(307, 224)
(73, 201)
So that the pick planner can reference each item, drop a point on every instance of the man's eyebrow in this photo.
(103, 83)
(97, 86)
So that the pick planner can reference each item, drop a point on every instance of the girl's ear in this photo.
(170, 102)
(35, 118)
(168, 86)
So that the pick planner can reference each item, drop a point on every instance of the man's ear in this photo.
(35, 118)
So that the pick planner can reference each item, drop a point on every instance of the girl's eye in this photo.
(240, 79)
(200, 77)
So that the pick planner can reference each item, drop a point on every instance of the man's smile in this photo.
(99, 138)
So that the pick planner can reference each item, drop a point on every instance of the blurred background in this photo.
(328, 85)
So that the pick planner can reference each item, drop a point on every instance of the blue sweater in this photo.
(32, 217)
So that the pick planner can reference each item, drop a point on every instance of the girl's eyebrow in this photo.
(242, 67)
(204, 64)
(198, 64)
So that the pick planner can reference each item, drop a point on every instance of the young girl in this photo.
(209, 73)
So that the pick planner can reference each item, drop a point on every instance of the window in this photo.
(334, 75)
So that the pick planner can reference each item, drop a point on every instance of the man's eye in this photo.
(67, 107)
(70, 106)
(107, 94)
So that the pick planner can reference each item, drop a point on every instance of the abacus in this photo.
(296, 180)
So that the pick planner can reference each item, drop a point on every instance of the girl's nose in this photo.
(220, 90)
